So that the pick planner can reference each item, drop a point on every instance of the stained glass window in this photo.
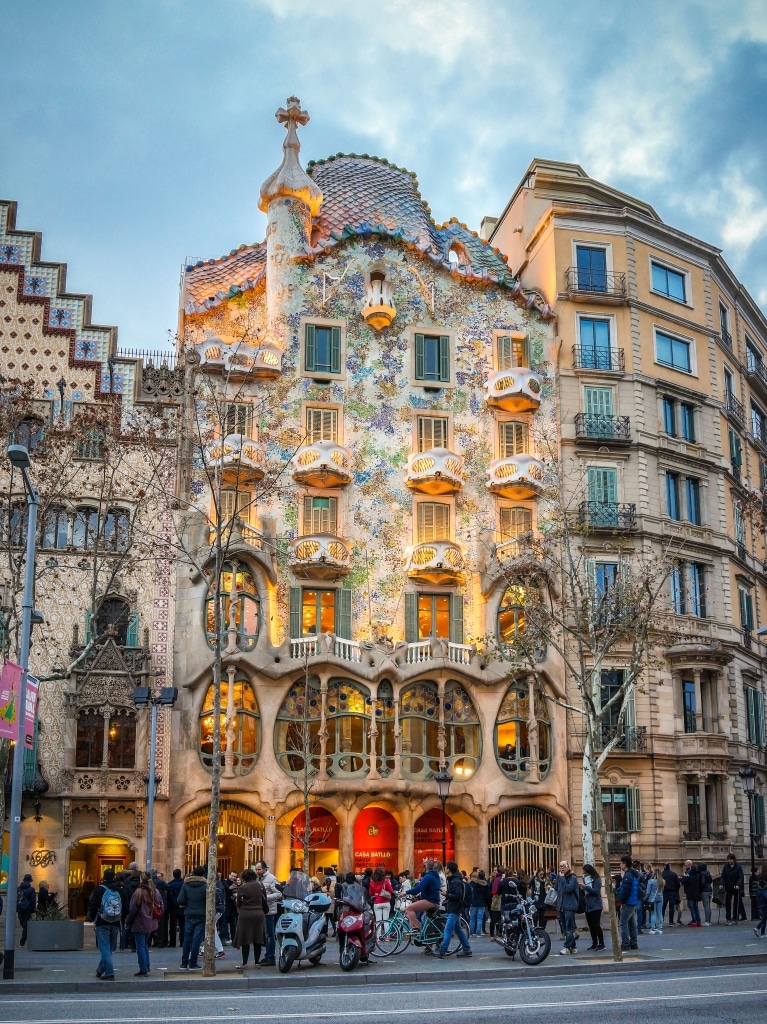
(246, 726)
(246, 613)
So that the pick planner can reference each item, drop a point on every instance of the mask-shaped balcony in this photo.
(240, 359)
(322, 464)
(519, 477)
(240, 458)
(320, 556)
(517, 390)
(436, 471)
(438, 562)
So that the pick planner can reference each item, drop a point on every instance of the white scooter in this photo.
(301, 930)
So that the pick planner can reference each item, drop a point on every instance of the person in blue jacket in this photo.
(628, 894)
(428, 888)
(567, 904)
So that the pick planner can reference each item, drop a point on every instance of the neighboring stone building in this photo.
(662, 399)
(105, 580)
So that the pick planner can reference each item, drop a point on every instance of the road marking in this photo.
(418, 1011)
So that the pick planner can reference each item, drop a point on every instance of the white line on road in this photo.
(367, 1012)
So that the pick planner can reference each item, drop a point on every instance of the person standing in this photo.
(143, 919)
(538, 894)
(251, 918)
(495, 901)
(175, 913)
(380, 894)
(478, 885)
(670, 892)
(706, 892)
(105, 907)
(45, 898)
(629, 897)
(191, 900)
(692, 891)
(160, 937)
(273, 901)
(567, 904)
(592, 883)
(454, 897)
(732, 880)
(26, 904)
(761, 902)
(230, 887)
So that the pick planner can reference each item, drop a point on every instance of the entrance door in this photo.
(323, 842)
(376, 840)
(525, 838)
(115, 863)
(427, 837)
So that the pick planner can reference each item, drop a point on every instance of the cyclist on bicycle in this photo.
(428, 888)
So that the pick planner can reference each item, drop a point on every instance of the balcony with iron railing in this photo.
(319, 556)
(726, 337)
(322, 464)
(437, 562)
(436, 471)
(756, 372)
(594, 357)
(590, 427)
(734, 408)
(518, 476)
(515, 390)
(759, 432)
(619, 843)
(595, 286)
(607, 515)
(629, 739)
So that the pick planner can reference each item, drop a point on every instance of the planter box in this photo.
(50, 935)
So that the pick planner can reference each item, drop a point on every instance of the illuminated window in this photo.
(121, 740)
(511, 615)
(89, 749)
(511, 352)
(515, 522)
(246, 719)
(246, 609)
(419, 722)
(512, 733)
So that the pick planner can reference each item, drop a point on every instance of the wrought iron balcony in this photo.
(518, 477)
(320, 556)
(726, 337)
(747, 639)
(322, 464)
(631, 738)
(438, 562)
(238, 457)
(734, 408)
(607, 515)
(594, 357)
(595, 285)
(757, 372)
(516, 390)
(436, 471)
(619, 843)
(590, 427)
(691, 837)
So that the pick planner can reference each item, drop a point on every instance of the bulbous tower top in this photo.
(290, 179)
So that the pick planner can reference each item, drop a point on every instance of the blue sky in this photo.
(136, 133)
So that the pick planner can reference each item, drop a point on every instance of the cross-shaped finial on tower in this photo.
(292, 113)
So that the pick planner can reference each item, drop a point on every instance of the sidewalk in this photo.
(71, 973)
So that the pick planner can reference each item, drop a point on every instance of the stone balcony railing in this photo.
(320, 556)
(239, 458)
(517, 390)
(326, 643)
(436, 471)
(697, 744)
(438, 562)
(518, 477)
(322, 464)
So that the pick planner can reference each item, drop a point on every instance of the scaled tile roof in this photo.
(209, 282)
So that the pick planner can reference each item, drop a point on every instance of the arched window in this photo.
(117, 529)
(297, 734)
(348, 721)
(383, 709)
(246, 613)
(85, 528)
(55, 529)
(511, 616)
(419, 721)
(512, 733)
(246, 721)
(89, 750)
(462, 733)
(121, 741)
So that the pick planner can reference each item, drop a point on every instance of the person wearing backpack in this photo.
(26, 904)
(144, 915)
(105, 907)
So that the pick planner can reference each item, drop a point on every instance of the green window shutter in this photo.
(420, 346)
(88, 617)
(344, 613)
(335, 349)
(295, 613)
(736, 449)
(746, 610)
(603, 485)
(759, 824)
(411, 618)
(598, 401)
(131, 635)
(309, 348)
(444, 358)
(761, 733)
(633, 809)
(456, 618)
(30, 764)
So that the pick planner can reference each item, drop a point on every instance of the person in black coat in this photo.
(692, 890)
(26, 904)
(175, 912)
(538, 894)
(732, 880)
(670, 893)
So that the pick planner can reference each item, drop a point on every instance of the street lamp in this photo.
(748, 778)
(19, 457)
(443, 780)
(142, 698)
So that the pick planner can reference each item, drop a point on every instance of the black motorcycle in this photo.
(520, 934)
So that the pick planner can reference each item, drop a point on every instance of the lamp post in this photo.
(142, 698)
(19, 457)
(748, 779)
(443, 780)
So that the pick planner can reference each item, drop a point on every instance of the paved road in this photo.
(731, 994)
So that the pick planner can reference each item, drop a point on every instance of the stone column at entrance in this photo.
(406, 840)
(346, 844)
(483, 846)
(270, 840)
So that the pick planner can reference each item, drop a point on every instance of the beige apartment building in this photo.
(662, 404)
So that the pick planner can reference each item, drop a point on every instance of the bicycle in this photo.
(394, 936)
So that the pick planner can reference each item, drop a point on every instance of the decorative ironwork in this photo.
(691, 837)
(726, 337)
(596, 282)
(526, 837)
(631, 738)
(41, 858)
(607, 515)
(590, 427)
(619, 843)
(734, 408)
(594, 357)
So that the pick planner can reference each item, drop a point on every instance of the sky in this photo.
(136, 133)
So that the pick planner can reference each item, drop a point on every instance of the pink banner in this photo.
(32, 690)
(10, 681)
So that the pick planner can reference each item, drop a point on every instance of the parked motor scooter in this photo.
(356, 928)
(301, 929)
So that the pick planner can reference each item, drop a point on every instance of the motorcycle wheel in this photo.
(287, 957)
(537, 953)
(350, 956)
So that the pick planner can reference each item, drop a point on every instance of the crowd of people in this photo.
(137, 910)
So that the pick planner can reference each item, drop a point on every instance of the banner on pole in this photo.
(10, 686)
(30, 710)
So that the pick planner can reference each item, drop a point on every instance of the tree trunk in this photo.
(615, 934)
(589, 793)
